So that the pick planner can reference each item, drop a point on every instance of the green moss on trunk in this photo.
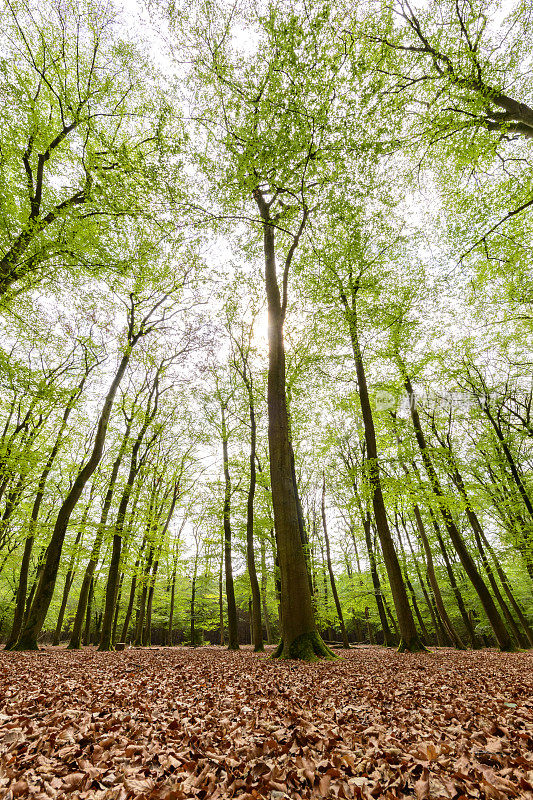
(307, 647)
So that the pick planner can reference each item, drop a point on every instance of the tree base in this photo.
(307, 647)
(26, 643)
(509, 648)
(414, 645)
(259, 649)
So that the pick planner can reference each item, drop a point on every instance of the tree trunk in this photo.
(432, 578)
(220, 600)
(114, 565)
(500, 631)
(299, 635)
(131, 599)
(45, 590)
(87, 631)
(257, 629)
(410, 640)
(507, 588)
(455, 588)
(264, 591)
(75, 638)
(70, 572)
(171, 610)
(117, 610)
(28, 545)
(233, 630)
(387, 636)
(334, 592)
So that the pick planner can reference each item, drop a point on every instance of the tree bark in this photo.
(376, 583)
(334, 592)
(500, 631)
(299, 635)
(410, 641)
(45, 590)
(75, 639)
(114, 565)
(28, 545)
(257, 629)
(233, 630)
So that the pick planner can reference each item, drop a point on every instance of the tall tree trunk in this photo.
(299, 635)
(500, 631)
(220, 598)
(233, 630)
(116, 552)
(131, 600)
(87, 631)
(430, 570)
(171, 610)
(257, 629)
(43, 595)
(467, 620)
(264, 591)
(117, 610)
(147, 637)
(28, 544)
(75, 639)
(432, 578)
(334, 592)
(376, 583)
(70, 571)
(508, 591)
(410, 640)
(440, 633)
(141, 609)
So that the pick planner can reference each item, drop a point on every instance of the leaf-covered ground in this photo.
(179, 723)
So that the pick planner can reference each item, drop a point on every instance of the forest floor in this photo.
(180, 723)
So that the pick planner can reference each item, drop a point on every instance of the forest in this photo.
(266, 405)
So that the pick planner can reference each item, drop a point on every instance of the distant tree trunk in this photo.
(220, 600)
(28, 544)
(368, 626)
(264, 591)
(233, 630)
(193, 608)
(131, 601)
(391, 616)
(114, 565)
(480, 538)
(387, 636)
(87, 631)
(43, 595)
(507, 588)
(500, 631)
(171, 611)
(75, 638)
(410, 641)
(334, 592)
(69, 578)
(440, 634)
(117, 609)
(257, 629)
(453, 583)
(147, 638)
(445, 620)
(434, 583)
(141, 610)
